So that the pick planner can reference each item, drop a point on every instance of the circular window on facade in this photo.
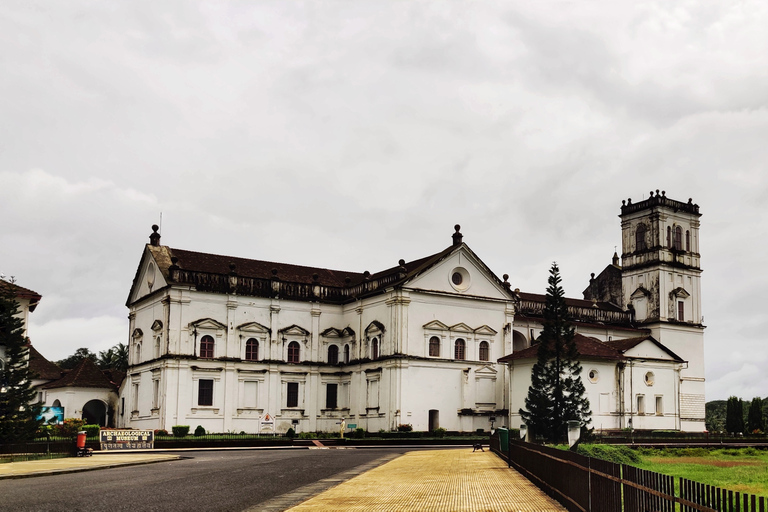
(649, 379)
(594, 376)
(459, 279)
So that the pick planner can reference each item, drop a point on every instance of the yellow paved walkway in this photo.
(70, 464)
(436, 480)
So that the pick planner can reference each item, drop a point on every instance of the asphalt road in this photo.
(205, 481)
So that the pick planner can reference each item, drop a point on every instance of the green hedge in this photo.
(180, 430)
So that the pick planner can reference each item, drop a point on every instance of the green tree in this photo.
(115, 358)
(557, 393)
(755, 418)
(18, 406)
(73, 360)
(734, 415)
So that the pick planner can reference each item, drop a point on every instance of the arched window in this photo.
(157, 346)
(333, 354)
(252, 349)
(640, 238)
(293, 352)
(346, 353)
(669, 237)
(687, 241)
(460, 349)
(375, 348)
(484, 351)
(679, 238)
(206, 347)
(434, 346)
(137, 353)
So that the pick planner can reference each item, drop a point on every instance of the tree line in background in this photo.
(115, 358)
(737, 416)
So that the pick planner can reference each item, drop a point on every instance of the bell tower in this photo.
(661, 285)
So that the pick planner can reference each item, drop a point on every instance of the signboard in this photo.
(351, 425)
(267, 424)
(112, 439)
(52, 415)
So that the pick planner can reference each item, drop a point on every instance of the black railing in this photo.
(586, 484)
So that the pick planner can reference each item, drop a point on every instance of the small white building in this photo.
(222, 341)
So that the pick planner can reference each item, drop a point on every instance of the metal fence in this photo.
(586, 484)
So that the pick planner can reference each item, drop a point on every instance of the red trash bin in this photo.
(81, 440)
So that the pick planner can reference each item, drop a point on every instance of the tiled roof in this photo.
(23, 293)
(589, 348)
(41, 367)
(85, 375)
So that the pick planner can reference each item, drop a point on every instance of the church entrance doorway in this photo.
(434, 419)
(95, 413)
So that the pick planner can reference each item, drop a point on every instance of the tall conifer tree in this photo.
(18, 412)
(755, 418)
(557, 393)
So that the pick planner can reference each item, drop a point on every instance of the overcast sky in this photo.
(350, 134)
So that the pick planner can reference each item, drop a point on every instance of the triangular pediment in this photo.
(157, 325)
(484, 329)
(347, 331)
(640, 293)
(331, 332)
(294, 330)
(459, 272)
(375, 326)
(652, 349)
(253, 327)
(208, 323)
(680, 293)
(436, 325)
(461, 327)
(487, 370)
(149, 278)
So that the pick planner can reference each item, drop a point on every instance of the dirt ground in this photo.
(704, 462)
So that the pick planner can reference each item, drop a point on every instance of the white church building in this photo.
(441, 341)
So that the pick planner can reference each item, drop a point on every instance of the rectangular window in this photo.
(640, 404)
(331, 396)
(136, 397)
(681, 311)
(373, 393)
(292, 398)
(155, 394)
(659, 406)
(205, 392)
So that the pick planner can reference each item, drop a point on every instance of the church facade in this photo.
(224, 342)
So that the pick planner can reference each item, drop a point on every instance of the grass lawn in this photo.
(742, 470)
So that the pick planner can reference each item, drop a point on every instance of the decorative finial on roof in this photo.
(651, 193)
(506, 281)
(615, 259)
(367, 274)
(457, 236)
(664, 193)
(401, 262)
(657, 192)
(154, 238)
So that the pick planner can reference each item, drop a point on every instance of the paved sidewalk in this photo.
(77, 464)
(444, 480)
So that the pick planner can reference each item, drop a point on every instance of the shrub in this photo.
(405, 427)
(359, 433)
(70, 427)
(199, 431)
(161, 432)
(290, 434)
(307, 435)
(439, 432)
(91, 430)
(180, 430)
